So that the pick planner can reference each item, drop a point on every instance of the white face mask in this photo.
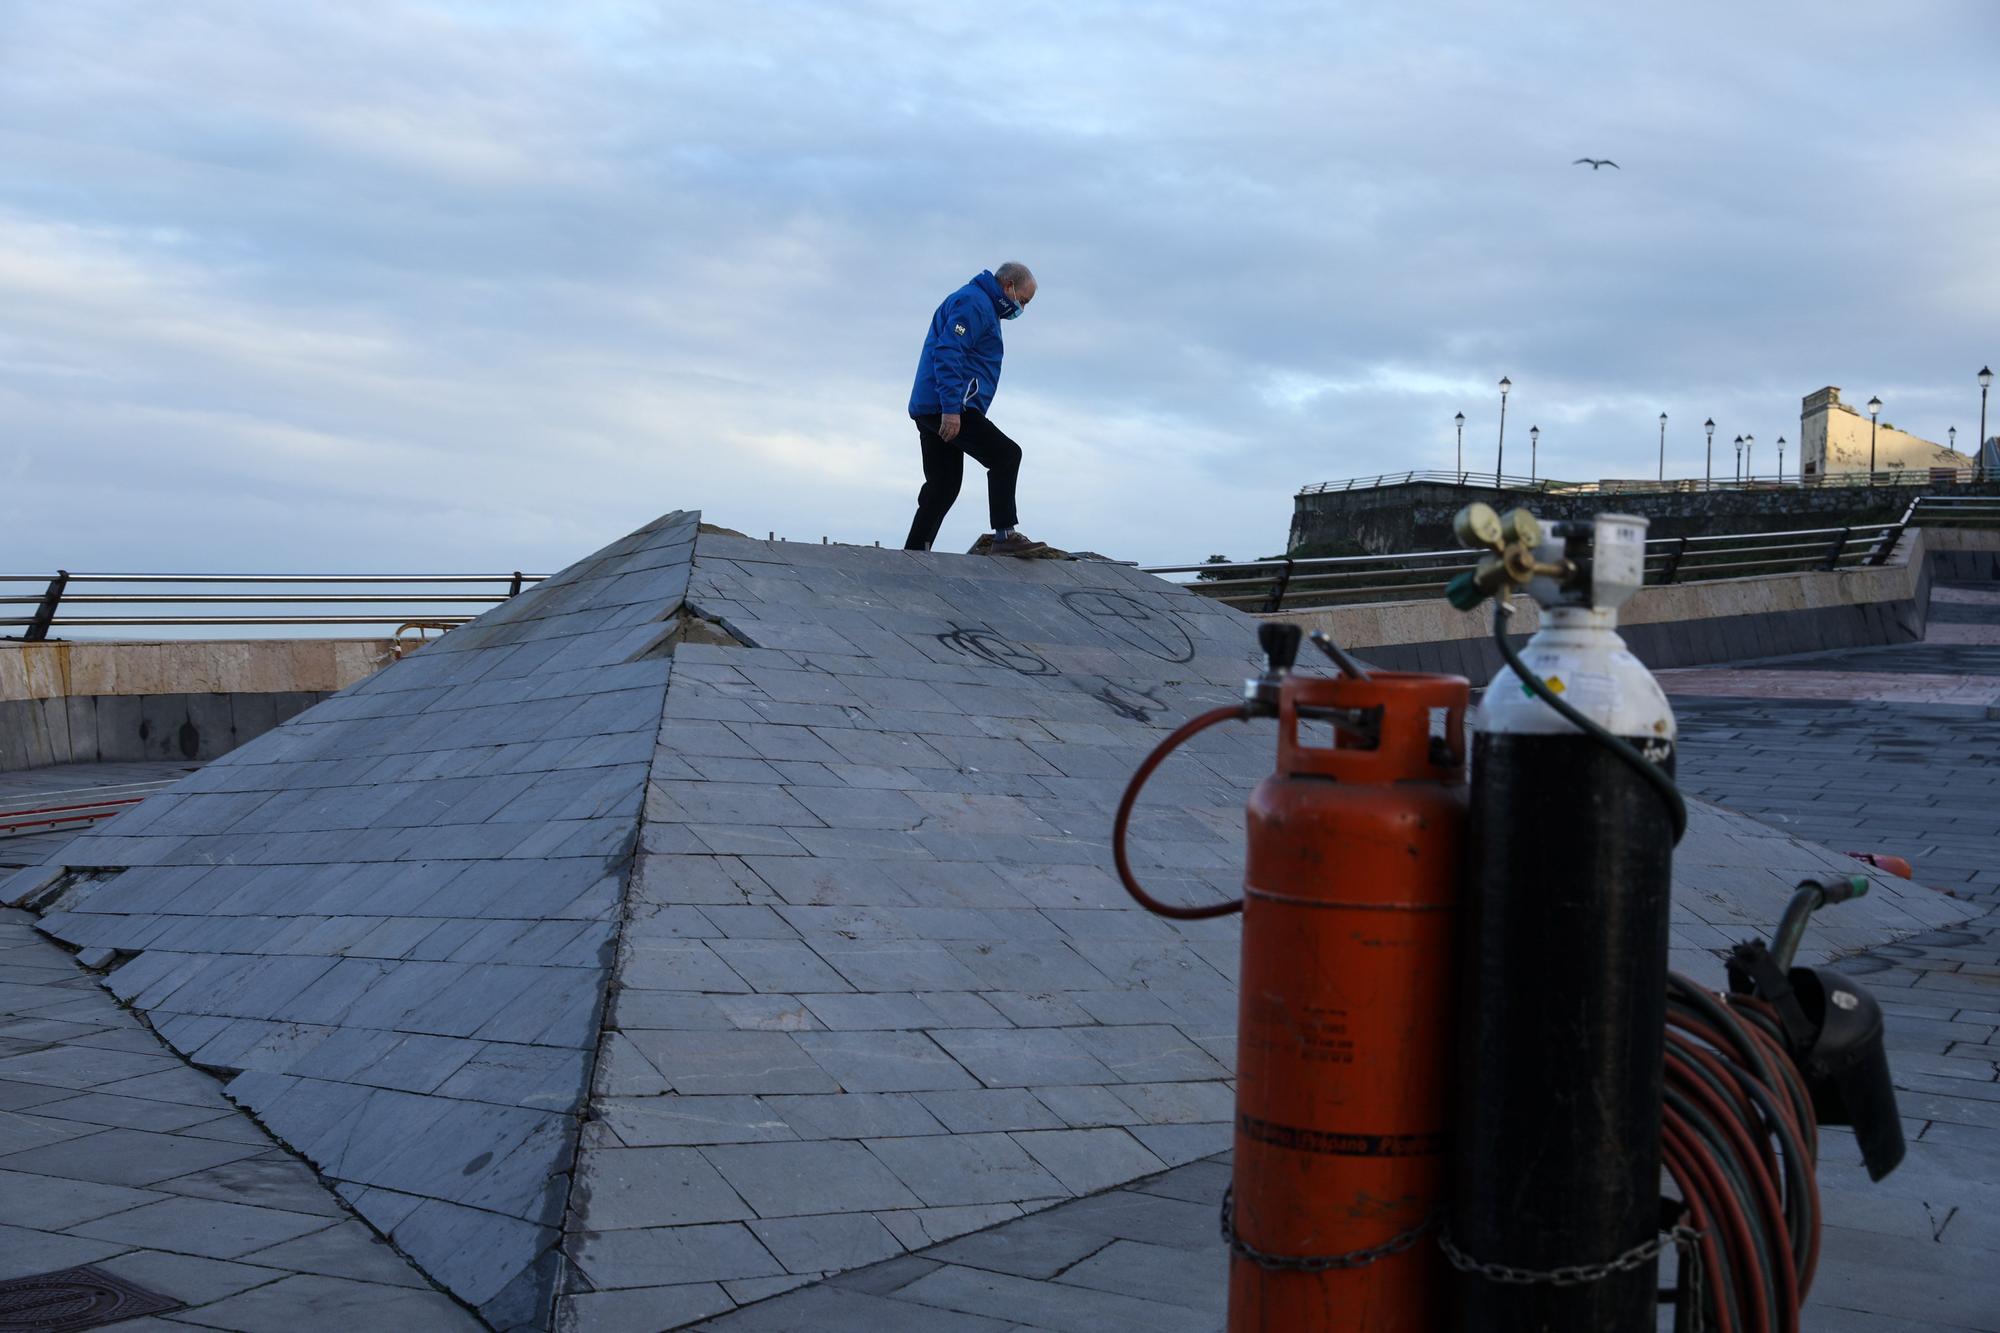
(1013, 308)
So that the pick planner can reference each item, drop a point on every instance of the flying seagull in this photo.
(1596, 162)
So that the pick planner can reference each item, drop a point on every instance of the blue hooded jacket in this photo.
(960, 365)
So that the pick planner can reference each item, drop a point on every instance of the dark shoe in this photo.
(1022, 546)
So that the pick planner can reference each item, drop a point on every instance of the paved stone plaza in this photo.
(781, 871)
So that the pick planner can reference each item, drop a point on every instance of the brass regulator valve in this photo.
(1511, 564)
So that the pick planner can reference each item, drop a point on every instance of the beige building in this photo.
(1833, 437)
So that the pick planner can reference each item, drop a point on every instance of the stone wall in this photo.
(1389, 520)
(98, 701)
(1834, 437)
(101, 728)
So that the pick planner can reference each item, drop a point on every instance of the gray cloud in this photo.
(470, 285)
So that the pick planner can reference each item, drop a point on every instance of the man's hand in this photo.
(948, 427)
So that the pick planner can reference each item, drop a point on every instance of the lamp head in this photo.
(1709, 426)
(1874, 406)
(1505, 384)
(1458, 417)
(1985, 377)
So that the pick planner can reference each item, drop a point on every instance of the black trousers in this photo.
(944, 472)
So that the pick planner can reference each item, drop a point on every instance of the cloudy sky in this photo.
(377, 284)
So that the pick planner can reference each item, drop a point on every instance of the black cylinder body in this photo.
(1556, 1156)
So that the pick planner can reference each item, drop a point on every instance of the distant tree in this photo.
(1207, 576)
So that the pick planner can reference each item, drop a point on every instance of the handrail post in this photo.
(45, 614)
(514, 589)
(1886, 543)
(1833, 552)
(1278, 588)
(1673, 565)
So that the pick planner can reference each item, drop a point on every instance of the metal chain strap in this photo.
(1569, 1275)
(1318, 1263)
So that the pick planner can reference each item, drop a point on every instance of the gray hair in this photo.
(1014, 273)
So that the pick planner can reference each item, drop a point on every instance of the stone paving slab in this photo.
(164, 1183)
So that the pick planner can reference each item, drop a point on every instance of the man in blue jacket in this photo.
(956, 376)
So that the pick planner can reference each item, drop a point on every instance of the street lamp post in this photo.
(1500, 455)
(1979, 446)
(1663, 446)
(1534, 443)
(1459, 417)
(1739, 458)
(1708, 459)
(1781, 460)
(1874, 411)
(1749, 458)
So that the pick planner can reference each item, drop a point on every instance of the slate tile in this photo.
(712, 802)
(855, 1115)
(1039, 1007)
(834, 1310)
(987, 1110)
(1156, 1273)
(125, 1157)
(187, 1278)
(961, 1169)
(55, 1204)
(656, 1256)
(1088, 1160)
(873, 1011)
(677, 965)
(272, 1179)
(884, 1061)
(641, 1309)
(333, 1302)
(663, 1121)
(80, 1066)
(653, 1187)
(1024, 1058)
(1087, 1106)
(796, 1179)
(699, 1063)
(1179, 1103)
(1030, 1247)
(897, 965)
(205, 1227)
(26, 1253)
(777, 965)
(765, 1013)
(1139, 1054)
(824, 1243)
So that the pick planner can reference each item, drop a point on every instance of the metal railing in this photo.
(1953, 511)
(1345, 580)
(1473, 479)
(136, 601)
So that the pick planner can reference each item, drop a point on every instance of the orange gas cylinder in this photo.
(1344, 1058)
